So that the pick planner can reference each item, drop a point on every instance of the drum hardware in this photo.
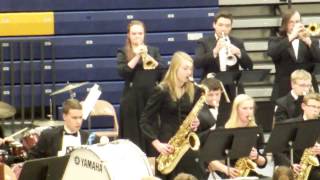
(50, 123)
(69, 88)
(6, 110)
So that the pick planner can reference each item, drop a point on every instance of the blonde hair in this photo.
(170, 79)
(128, 46)
(300, 74)
(185, 176)
(234, 117)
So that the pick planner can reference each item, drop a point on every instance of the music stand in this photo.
(293, 135)
(255, 75)
(229, 143)
(228, 77)
(44, 169)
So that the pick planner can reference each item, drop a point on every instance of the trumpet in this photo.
(225, 56)
(313, 29)
(148, 61)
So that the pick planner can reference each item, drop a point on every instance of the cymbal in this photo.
(68, 88)
(48, 123)
(6, 110)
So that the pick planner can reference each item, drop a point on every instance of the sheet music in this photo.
(90, 100)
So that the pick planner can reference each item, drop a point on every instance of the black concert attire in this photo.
(283, 159)
(171, 114)
(204, 60)
(208, 119)
(288, 106)
(259, 146)
(283, 56)
(139, 84)
(50, 142)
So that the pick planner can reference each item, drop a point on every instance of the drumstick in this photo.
(17, 133)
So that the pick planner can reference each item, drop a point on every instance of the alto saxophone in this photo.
(308, 160)
(182, 140)
(245, 165)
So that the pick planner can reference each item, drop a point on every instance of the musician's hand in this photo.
(298, 28)
(296, 168)
(306, 40)
(316, 149)
(235, 50)
(220, 44)
(253, 154)
(195, 124)
(162, 148)
(232, 172)
(8, 139)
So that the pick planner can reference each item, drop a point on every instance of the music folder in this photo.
(293, 134)
(229, 143)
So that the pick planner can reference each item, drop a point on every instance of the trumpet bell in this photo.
(313, 29)
(231, 60)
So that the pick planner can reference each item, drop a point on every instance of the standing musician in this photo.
(211, 51)
(293, 49)
(171, 102)
(138, 65)
(54, 142)
(242, 115)
(289, 106)
(311, 111)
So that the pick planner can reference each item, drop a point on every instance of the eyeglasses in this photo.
(304, 85)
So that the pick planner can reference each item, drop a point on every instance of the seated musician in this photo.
(311, 110)
(54, 142)
(242, 115)
(288, 106)
(214, 113)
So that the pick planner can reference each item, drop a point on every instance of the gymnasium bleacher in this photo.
(87, 34)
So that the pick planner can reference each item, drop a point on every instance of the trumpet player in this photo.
(139, 81)
(311, 110)
(292, 49)
(208, 56)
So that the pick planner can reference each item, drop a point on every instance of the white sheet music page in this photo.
(90, 100)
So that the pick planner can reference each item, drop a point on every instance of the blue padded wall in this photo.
(157, 20)
(78, 5)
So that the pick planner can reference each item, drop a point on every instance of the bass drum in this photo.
(118, 160)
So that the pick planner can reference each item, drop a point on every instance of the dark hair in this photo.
(286, 15)
(71, 104)
(223, 14)
(128, 48)
(212, 84)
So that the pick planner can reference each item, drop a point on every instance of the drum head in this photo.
(123, 160)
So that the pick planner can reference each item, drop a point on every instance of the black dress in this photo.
(283, 57)
(171, 114)
(138, 86)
